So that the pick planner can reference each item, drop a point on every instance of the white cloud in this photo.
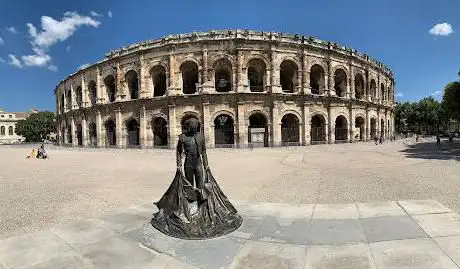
(12, 30)
(95, 14)
(14, 61)
(41, 59)
(110, 14)
(441, 29)
(436, 93)
(1, 41)
(53, 67)
(400, 94)
(54, 30)
(67, 49)
(2, 61)
(83, 66)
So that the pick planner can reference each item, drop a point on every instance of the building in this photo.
(245, 87)
(8, 122)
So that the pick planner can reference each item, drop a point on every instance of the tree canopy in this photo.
(37, 126)
(451, 99)
(422, 116)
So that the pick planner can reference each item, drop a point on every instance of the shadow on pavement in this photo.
(429, 150)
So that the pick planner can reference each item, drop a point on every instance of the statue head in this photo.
(191, 126)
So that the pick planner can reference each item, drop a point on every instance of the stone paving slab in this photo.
(378, 235)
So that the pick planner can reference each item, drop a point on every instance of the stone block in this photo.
(439, 224)
(30, 249)
(379, 209)
(248, 228)
(410, 254)
(330, 232)
(83, 232)
(283, 231)
(451, 246)
(129, 219)
(269, 256)
(391, 228)
(420, 207)
(349, 256)
(67, 261)
(335, 211)
(285, 211)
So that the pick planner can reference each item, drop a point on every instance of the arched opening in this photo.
(258, 130)
(223, 75)
(190, 79)
(359, 86)
(92, 134)
(318, 130)
(188, 116)
(373, 128)
(340, 82)
(69, 134)
(62, 137)
(132, 127)
(92, 92)
(341, 130)
(387, 134)
(62, 103)
(79, 134)
(256, 75)
(359, 129)
(132, 80)
(290, 130)
(224, 132)
(382, 128)
(79, 96)
(110, 133)
(160, 132)
(10, 130)
(317, 79)
(109, 83)
(373, 90)
(158, 74)
(2, 130)
(68, 100)
(382, 92)
(288, 76)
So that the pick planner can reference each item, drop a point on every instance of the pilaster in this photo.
(84, 131)
(172, 126)
(84, 92)
(331, 126)
(73, 132)
(241, 75)
(119, 128)
(242, 127)
(274, 72)
(100, 98)
(307, 123)
(206, 124)
(119, 80)
(368, 124)
(73, 97)
(142, 128)
(99, 141)
(276, 124)
(330, 79)
(351, 124)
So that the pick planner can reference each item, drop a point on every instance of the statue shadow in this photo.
(429, 150)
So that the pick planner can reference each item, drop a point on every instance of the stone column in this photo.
(367, 127)
(149, 133)
(172, 126)
(307, 123)
(378, 123)
(100, 97)
(351, 124)
(207, 85)
(84, 131)
(99, 141)
(276, 125)
(171, 79)
(305, 74)
(119, 128)
(72, 97)
(142, 128)
(330, 77)
(241, 75)
(206, 124)
(84, 92)
(242, 133)
(274, 73)
(143, 92)
(331, 124)
(120, 95)
(234, 78)
(73, 131)
(351, 80)
(66, 136)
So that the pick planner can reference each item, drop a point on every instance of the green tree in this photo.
(37, 126)
(423, 116)
(451, 99)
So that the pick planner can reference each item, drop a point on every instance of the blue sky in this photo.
(393, 31)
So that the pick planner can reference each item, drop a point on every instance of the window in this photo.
(2, 130)
(3, 116)
(11, 116)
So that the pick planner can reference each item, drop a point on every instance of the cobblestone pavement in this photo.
(411, 234)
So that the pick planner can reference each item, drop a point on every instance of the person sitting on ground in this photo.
(32, 154)
(41, 153)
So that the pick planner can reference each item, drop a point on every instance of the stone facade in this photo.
(245, 87)
(8, 122)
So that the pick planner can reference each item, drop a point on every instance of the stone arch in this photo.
(10, 130)
(223, 75)
(110, 86)
(289, 75)
(2, 130)
(289, 58)
(160, 131)
(318, 127)
(189, 59)
(190, 76)
(341, 129)
(92, 133)
(373, 89)
(224, 130)
(132, 128)
(158, 74)
(257, 74)
(254, 56)
(132, 79)
(373, 127)
(317, 81)
(190, 114)
(383, 97)
(110, 132)
(291, 111)
(360, 123)
(340, 66)
(316, 61)
(359, 86)
(340, 82)
(216, 57)
(255, 111)
(224, 112)
(290, 129)
(258, 128)
(79, 96)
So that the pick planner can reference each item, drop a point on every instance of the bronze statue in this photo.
(194, 207)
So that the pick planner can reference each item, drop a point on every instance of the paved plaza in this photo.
(327, 206)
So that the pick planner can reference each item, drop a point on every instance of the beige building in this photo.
(8, 122)
(245, 87)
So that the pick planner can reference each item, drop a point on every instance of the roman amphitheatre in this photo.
(246, 88)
